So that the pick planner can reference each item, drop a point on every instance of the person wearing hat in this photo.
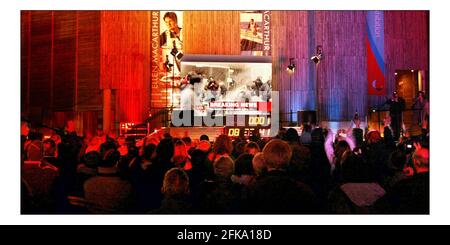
(396, 107)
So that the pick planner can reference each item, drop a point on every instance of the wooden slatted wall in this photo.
(121, 42)
(60, 66)
(64, 61)
(211, 32)
(342, 72)
(25, 50)
(40, 59)
(290, 39)
(89, 94)
(125, 61)
(406, 44)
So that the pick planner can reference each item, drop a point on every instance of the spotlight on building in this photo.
(291, 67)
(318, 56)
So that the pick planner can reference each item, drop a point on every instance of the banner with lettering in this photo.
(166, 54)
(255, 33)
(375, 53)
(156, 91)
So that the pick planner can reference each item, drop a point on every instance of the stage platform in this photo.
(333, 125)
(195, 132)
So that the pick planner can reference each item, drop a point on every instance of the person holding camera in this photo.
(173, 31)
(170, 41)
(187, 94)
(256, 86)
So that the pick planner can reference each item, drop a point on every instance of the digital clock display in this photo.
(246, 131)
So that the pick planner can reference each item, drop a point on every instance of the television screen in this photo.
(226, 85)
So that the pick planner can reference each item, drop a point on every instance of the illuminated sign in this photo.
(252, 125)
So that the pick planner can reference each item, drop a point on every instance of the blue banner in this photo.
(375, 52)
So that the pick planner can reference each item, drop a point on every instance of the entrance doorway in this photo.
(408, 83)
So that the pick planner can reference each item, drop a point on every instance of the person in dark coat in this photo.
(276, 192)
(219, 194)
(396, 107)
(411, 195)
(176, 193)
(108, 192)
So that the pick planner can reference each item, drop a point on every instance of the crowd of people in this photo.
(315, 172)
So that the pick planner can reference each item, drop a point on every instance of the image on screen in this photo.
(227, 88)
